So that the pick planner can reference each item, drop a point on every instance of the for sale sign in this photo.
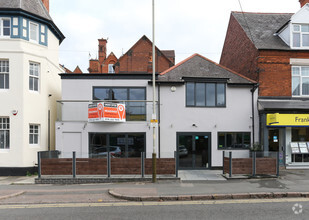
(105, 111)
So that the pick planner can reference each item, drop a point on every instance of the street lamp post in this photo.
(154, 117)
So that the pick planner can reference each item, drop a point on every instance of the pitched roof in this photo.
(35, 7)
(144, 37)
(201, 67)
(263, 27)
(169, 54)
(77, 70)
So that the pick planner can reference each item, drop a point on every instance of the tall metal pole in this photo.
(154, 117)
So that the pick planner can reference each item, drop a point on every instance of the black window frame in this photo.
(205, 86)
(236, 133)
(109, 146)
(127, 98)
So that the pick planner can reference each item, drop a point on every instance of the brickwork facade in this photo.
(270, 68)
(239, 53)
(138, 59)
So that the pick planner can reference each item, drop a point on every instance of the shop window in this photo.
(205, 94)
(234, 140)
(300, 134)
(135, 111)
(120, 145)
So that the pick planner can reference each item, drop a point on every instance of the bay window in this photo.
(5, 27)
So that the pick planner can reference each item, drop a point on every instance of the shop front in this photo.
(288, 134)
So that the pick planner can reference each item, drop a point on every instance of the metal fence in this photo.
(51, 163)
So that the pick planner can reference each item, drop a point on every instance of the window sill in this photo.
(205, 106)
(34, 146)
(34, 92)
(4, 151)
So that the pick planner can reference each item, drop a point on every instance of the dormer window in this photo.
(301, 35)
(5, 27)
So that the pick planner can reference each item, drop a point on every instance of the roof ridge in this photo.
(217, 64)
(241, 12)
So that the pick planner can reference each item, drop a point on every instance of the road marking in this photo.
(170, 203)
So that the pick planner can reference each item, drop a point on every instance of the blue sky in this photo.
(188, 27)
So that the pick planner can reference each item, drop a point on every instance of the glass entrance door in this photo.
(194, 150)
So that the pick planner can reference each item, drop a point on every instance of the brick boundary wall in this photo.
(264, 166)
(98, 166)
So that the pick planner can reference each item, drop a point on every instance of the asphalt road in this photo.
(236, 209)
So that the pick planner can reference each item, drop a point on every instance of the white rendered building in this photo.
(203, 109)
(29, 83)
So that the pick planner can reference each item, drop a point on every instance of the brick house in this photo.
(138, 59)
(273, 49)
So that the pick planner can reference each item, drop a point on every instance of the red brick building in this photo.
(138, 59)
(273, 49)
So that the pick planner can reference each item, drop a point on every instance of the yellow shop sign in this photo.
(287, 119)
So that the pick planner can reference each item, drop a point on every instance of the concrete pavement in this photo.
(194, 185)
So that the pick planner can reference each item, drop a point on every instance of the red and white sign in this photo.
(104, 111)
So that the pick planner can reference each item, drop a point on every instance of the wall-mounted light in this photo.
(173, 89)
(194, 125)
(14, 112)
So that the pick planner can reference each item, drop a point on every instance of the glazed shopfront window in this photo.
(121, 145)
(234, 140)
(300, 144)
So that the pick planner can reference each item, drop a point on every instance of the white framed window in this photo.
(34, 76)
(300, 81)
(4, 133)
(300, 35)
(34, 134)
(111, 68)
(5, 27)
(34, 32)
(4, 74)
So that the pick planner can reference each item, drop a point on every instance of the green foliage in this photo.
(256, 147)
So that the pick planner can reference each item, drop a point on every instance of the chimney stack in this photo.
(102, 50)
(303, 2)
(46, 3)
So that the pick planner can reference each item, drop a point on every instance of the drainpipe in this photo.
(254, 87)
